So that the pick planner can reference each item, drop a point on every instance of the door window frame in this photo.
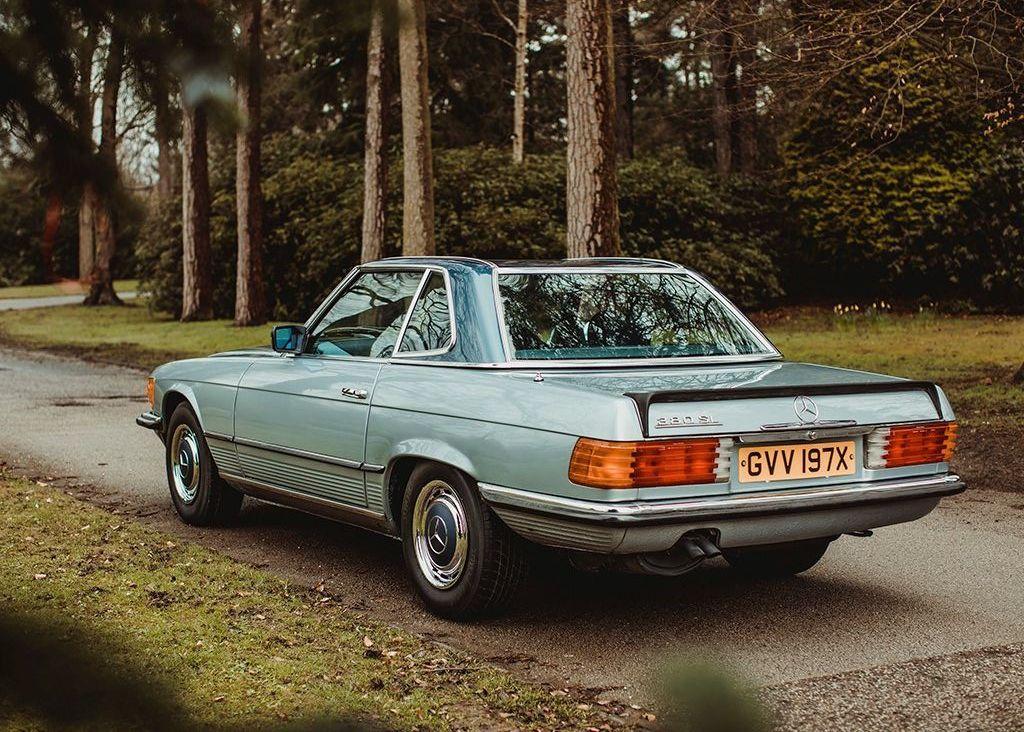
(345, 286)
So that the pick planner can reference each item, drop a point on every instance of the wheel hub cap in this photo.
(186, 468)
(439, 534)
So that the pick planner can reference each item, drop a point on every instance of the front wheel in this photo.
(199, 495)
(777, 560)
(464, 561)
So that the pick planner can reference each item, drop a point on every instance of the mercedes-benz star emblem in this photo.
(806, 410)
(437, 535)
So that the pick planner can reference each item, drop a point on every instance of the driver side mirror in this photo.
(288, 338)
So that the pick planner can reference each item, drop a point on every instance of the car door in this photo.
(300, 420)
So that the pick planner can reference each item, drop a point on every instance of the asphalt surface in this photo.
(27, 303)
(842, 646)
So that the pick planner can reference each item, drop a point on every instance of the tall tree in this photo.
(721, 52)
(101, 281)
(87, 204)
(163, 128)
(519, 104)
(375, 168)
(591, 181)
(197, 282)
(746, 91)
(417, 156)
(622, 31)
(250, 301)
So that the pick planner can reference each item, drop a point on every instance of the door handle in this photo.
(353, 393)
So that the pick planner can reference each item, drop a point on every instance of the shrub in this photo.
(484, 207)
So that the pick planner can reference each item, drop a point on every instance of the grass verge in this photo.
(128, 334)
(108, 624)
(66, 287)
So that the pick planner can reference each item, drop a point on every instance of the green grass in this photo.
(106, 617)
(68, 287)
(973, 357)
(128, 334)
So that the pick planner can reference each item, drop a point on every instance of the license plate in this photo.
(792, 462)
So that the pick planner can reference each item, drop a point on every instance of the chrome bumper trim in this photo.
(149, 420)
(793, 500)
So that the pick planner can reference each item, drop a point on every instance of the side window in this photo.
(430, 326)
(366, 319)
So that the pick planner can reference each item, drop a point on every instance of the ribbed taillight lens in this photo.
(604, 464)
(895, 447)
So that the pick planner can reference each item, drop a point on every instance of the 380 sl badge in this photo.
(686, 420)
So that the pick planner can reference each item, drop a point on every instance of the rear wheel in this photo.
(199, 495)
(462, 558)
(777, 560)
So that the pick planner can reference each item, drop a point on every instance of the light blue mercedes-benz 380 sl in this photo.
(622, 410)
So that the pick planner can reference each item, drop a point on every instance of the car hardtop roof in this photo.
(514, 264)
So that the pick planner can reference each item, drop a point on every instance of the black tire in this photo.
(492, 563)
(777, 560)
(203, 499)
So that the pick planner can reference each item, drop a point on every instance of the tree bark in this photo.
(591, 183)
(746, 92)
(51, 223)
(417, 156)
(87, 204)
(375, 166)
(519, 104)
(197, 281)
(250, 301)
(721, 42)
(164, 133)
(622, 31)
(101, 282)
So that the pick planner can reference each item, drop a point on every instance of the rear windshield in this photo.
(589, 315)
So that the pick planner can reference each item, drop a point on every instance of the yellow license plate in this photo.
(791, 462)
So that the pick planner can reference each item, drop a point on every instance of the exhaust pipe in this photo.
(688, 554)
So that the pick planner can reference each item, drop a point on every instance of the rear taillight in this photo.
(603, 464)
(894, 447)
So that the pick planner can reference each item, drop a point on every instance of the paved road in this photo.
(948, 584)
(27, 303)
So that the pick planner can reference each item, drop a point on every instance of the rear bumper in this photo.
(740, 520)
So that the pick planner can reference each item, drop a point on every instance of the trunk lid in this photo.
(734, 399)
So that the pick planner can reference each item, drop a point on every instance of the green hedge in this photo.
(485, 207)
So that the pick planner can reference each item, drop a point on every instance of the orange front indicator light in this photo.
(151, 391)
(604, 464)
(896, 447)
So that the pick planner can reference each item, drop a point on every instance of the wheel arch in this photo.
(174, 396)
(401, 465)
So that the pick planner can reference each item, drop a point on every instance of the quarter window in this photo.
(367, 318)
(430, 325)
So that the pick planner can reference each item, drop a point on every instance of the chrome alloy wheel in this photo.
(186, 464)
(439, 534)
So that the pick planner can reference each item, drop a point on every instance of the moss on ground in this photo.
(101, 616)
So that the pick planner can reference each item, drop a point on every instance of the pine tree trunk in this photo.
(101, 281)
(721, 64)
(163, 128)
(51, 223)
(591, 182)
(250, 300)
(746, 108)
(87, 204)
(375, 167)
(417, 157)
(623, 34)
(86, 231)
(519, 104)
(197, 281)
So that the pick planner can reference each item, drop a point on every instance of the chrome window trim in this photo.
(451, 318)
(771, 352)
(394, 264)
